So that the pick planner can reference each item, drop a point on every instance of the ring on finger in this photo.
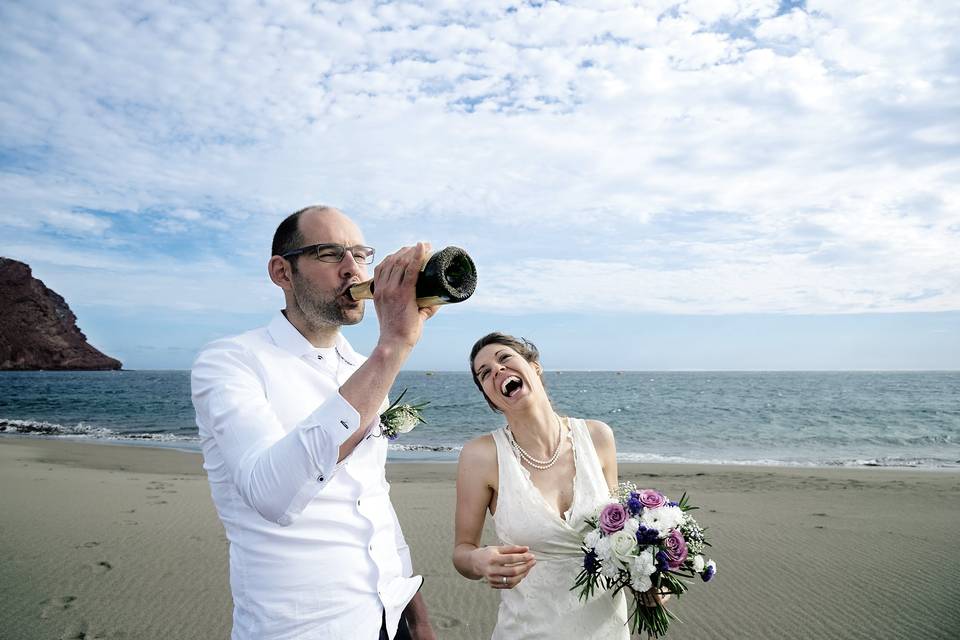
(503, 579)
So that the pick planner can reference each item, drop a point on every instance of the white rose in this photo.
(592, 538)
(630, 527)
(698, 564)
(622, 546)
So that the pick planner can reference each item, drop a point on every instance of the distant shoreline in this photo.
(395, 457)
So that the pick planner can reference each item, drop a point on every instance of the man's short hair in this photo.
(288, 237)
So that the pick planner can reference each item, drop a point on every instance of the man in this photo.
(287, 417)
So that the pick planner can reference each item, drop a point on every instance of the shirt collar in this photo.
(286, 336)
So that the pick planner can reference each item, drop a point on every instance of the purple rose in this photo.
(612, 518)
(652, 499)
(676, 548)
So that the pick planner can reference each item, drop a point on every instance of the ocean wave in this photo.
(889, 462)
(424, 447)
(38, 428)
(894, 462)
(446, 452)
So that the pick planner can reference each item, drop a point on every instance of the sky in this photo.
(722, 184)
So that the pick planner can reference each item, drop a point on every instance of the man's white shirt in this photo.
(315, 547)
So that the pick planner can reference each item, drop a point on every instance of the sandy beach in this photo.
(101, 541)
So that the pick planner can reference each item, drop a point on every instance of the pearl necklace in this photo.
(540, 465)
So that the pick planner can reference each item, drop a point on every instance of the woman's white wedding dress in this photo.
(542, 604)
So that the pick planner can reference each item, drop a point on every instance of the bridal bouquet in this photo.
(401, 418)
(640, 540)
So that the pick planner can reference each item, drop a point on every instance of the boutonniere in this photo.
(401, 418)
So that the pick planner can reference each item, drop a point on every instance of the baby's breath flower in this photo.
(400, 418)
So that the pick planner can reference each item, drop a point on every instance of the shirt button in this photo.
(358, 503)
(320, 478)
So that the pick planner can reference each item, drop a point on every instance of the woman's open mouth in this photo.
(511, 386)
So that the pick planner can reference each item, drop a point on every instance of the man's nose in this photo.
(349, 264)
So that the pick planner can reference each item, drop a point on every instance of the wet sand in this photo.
(101, 541)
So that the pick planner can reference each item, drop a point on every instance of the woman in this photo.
(540, 477)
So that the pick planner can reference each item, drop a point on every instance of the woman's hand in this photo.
(502, 567)
(651, 598)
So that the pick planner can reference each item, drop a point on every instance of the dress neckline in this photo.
(564, 517)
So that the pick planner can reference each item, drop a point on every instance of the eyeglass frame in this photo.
(343, 249)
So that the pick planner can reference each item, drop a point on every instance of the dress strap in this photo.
(588, 462)
(507, 463)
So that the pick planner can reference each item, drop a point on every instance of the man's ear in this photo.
(281, 272)
(538, 368)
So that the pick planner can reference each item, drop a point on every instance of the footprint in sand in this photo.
(75, 631)
(445, 622)
(80, 630)
(102, 567)
(87, 545)
(58, 604)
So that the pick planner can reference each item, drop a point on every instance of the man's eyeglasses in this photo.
(334, 252)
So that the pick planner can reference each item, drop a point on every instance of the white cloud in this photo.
(801, 163)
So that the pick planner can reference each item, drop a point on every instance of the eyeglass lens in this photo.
(335, 252)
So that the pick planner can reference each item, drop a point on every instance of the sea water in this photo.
(899, 419)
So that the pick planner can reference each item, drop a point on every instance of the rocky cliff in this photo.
(37, 328)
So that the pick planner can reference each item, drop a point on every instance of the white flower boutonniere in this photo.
(401, 418)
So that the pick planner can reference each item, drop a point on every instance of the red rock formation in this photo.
(37, 328)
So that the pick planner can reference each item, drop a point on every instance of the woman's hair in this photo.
(527, 350)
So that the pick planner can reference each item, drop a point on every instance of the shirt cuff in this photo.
(321, 434)
(331, 424)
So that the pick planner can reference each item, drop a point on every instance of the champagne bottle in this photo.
(447, 277)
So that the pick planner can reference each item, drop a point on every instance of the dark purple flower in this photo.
(612, 518)
(673, 504)
(590, 562)
(647, 536)
(663, 561)
(709, 572)
(676, 549)
(652, 499)
(633, 503)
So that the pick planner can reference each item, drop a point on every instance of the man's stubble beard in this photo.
(323, 311)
